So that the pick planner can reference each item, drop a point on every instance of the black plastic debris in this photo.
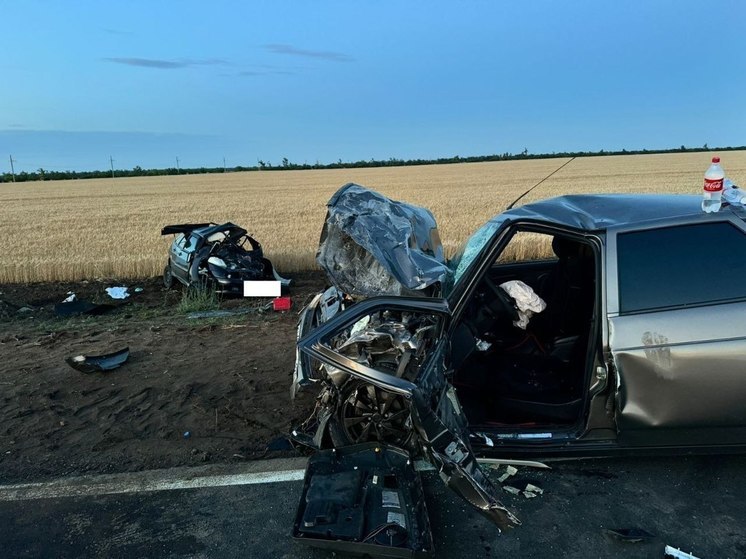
(628, 535)
(98, 363)
(77, 307)
(364, 500)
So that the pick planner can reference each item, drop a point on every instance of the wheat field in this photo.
(110, 228)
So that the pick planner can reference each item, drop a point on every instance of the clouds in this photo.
(161, 64)
(332, 56)
(265, 72)
(249, 70)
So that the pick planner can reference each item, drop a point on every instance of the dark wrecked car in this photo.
(218, 256)
(639, 345)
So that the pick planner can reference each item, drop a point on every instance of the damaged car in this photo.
(582, 325)
(220, 257)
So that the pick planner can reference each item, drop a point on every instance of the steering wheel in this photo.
(504, 301)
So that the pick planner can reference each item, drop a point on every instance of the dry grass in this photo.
(70, 230)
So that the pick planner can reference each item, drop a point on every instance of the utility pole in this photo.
(12, 170)
(224, 165)
(177, 166)
(111, 162)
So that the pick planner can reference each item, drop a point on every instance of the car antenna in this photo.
(510, 207)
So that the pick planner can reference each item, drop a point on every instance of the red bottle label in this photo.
(713, 185)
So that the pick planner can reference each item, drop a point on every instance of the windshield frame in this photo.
(470, 253)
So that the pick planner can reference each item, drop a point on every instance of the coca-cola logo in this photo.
(713, 185)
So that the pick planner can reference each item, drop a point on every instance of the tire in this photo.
(369, 414)
(168, 277)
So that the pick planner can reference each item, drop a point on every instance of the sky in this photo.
(147, 82)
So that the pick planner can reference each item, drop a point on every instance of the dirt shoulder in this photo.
(193, 391)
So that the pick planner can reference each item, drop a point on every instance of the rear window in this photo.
(681, 266)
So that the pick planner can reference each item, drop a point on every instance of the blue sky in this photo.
(146, 82)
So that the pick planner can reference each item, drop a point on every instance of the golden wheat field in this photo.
(69, 230)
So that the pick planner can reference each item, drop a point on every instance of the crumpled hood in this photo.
(371, 245)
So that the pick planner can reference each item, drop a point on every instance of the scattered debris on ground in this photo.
(79, 306)
(99, 363)
(628, 535)
(677, 553)
(117, 292)
(181, 376)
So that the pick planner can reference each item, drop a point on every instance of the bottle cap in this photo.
(716, 160)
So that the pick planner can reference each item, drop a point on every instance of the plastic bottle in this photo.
(732, 194)
(713, 188)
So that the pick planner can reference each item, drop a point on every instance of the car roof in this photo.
(597, 212)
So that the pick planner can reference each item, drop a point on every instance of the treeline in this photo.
(287, 165)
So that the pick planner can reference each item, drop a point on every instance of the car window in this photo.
(527, 246)
(680, 266)
(191, 243)
(179, 242)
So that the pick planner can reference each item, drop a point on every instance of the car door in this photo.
(179, 265)
(182, 252)
(677, 334)
(437, 417)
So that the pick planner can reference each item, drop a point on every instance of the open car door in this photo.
(397, 344)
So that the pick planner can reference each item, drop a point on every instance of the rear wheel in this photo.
(168, 277)
(369, 414)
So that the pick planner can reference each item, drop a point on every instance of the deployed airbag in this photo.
(527, 301)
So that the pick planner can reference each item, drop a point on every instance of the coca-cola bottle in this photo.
(713, 188)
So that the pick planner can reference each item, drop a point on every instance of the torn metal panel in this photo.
(371, 245)
(98, 363)
(323, 307)
(322, 343)
(455, 461)
(387, 342)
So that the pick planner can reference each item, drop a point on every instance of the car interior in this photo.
(507, 376)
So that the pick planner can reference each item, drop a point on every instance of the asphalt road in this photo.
(697, 504)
